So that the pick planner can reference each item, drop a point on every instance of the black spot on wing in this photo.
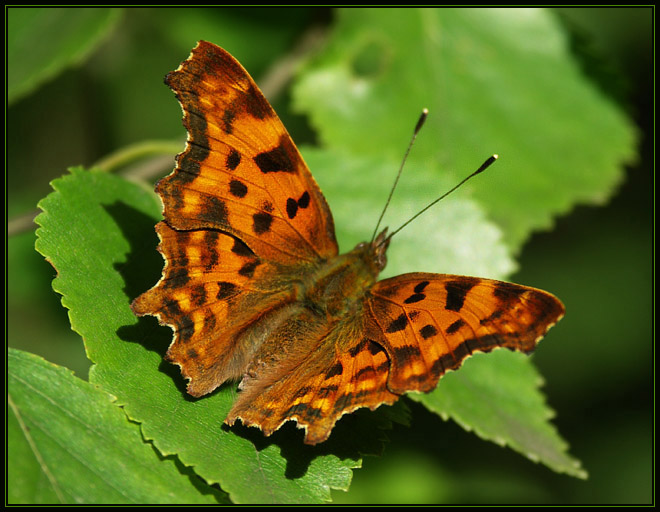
(495, 315)
(406, 353)
(177, 279)
(302, 391)
(355, 350)
(209, 323)
(256, 104)
(225, 290)
(238, 188)
(215, 211)
(291, 208)
(336, 369)
(282, 158)
(171, 309)
(398, 324)
(326, 391)
(415, 297)
(359, 375)
(427, 331)
(275, 160)
(233, 159)
(303, 202)
(455, 326)
(343, 402)
(292, 205)
(261, 222)
(227, 120)
(305, 411)
(508, 291)
(457, 290)
(375, 348)
(241, 249)
(248, 269)
(183, 324)
(210, 257)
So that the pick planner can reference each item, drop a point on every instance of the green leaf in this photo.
(26, 480)
(496, 396)
(97, 230)
(495, 81)
(42, 42)
(68, 443)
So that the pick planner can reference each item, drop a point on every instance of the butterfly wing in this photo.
(241, 172)
(402, 336)
(341, 373)
(429, 323)
(214, 293)
(243, 219)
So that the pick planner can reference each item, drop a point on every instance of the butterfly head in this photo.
(375, 252)
(379, 248)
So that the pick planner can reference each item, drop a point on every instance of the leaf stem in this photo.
(140, 150)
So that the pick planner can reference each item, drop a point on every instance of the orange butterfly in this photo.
(255, 290)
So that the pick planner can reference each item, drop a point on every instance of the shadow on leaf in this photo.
(355, 435)
(141, 270)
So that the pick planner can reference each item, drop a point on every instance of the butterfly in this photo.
(256, 291)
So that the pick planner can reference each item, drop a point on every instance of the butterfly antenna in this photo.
(482, 168)
(418, 127)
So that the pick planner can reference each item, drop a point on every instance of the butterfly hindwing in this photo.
(342, 372)
(210, 286)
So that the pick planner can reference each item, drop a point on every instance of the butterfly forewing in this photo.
(241, 172)
(429, 323)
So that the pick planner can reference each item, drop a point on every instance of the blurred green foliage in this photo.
(597, 367)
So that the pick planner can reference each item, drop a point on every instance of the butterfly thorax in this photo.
(340, 283)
